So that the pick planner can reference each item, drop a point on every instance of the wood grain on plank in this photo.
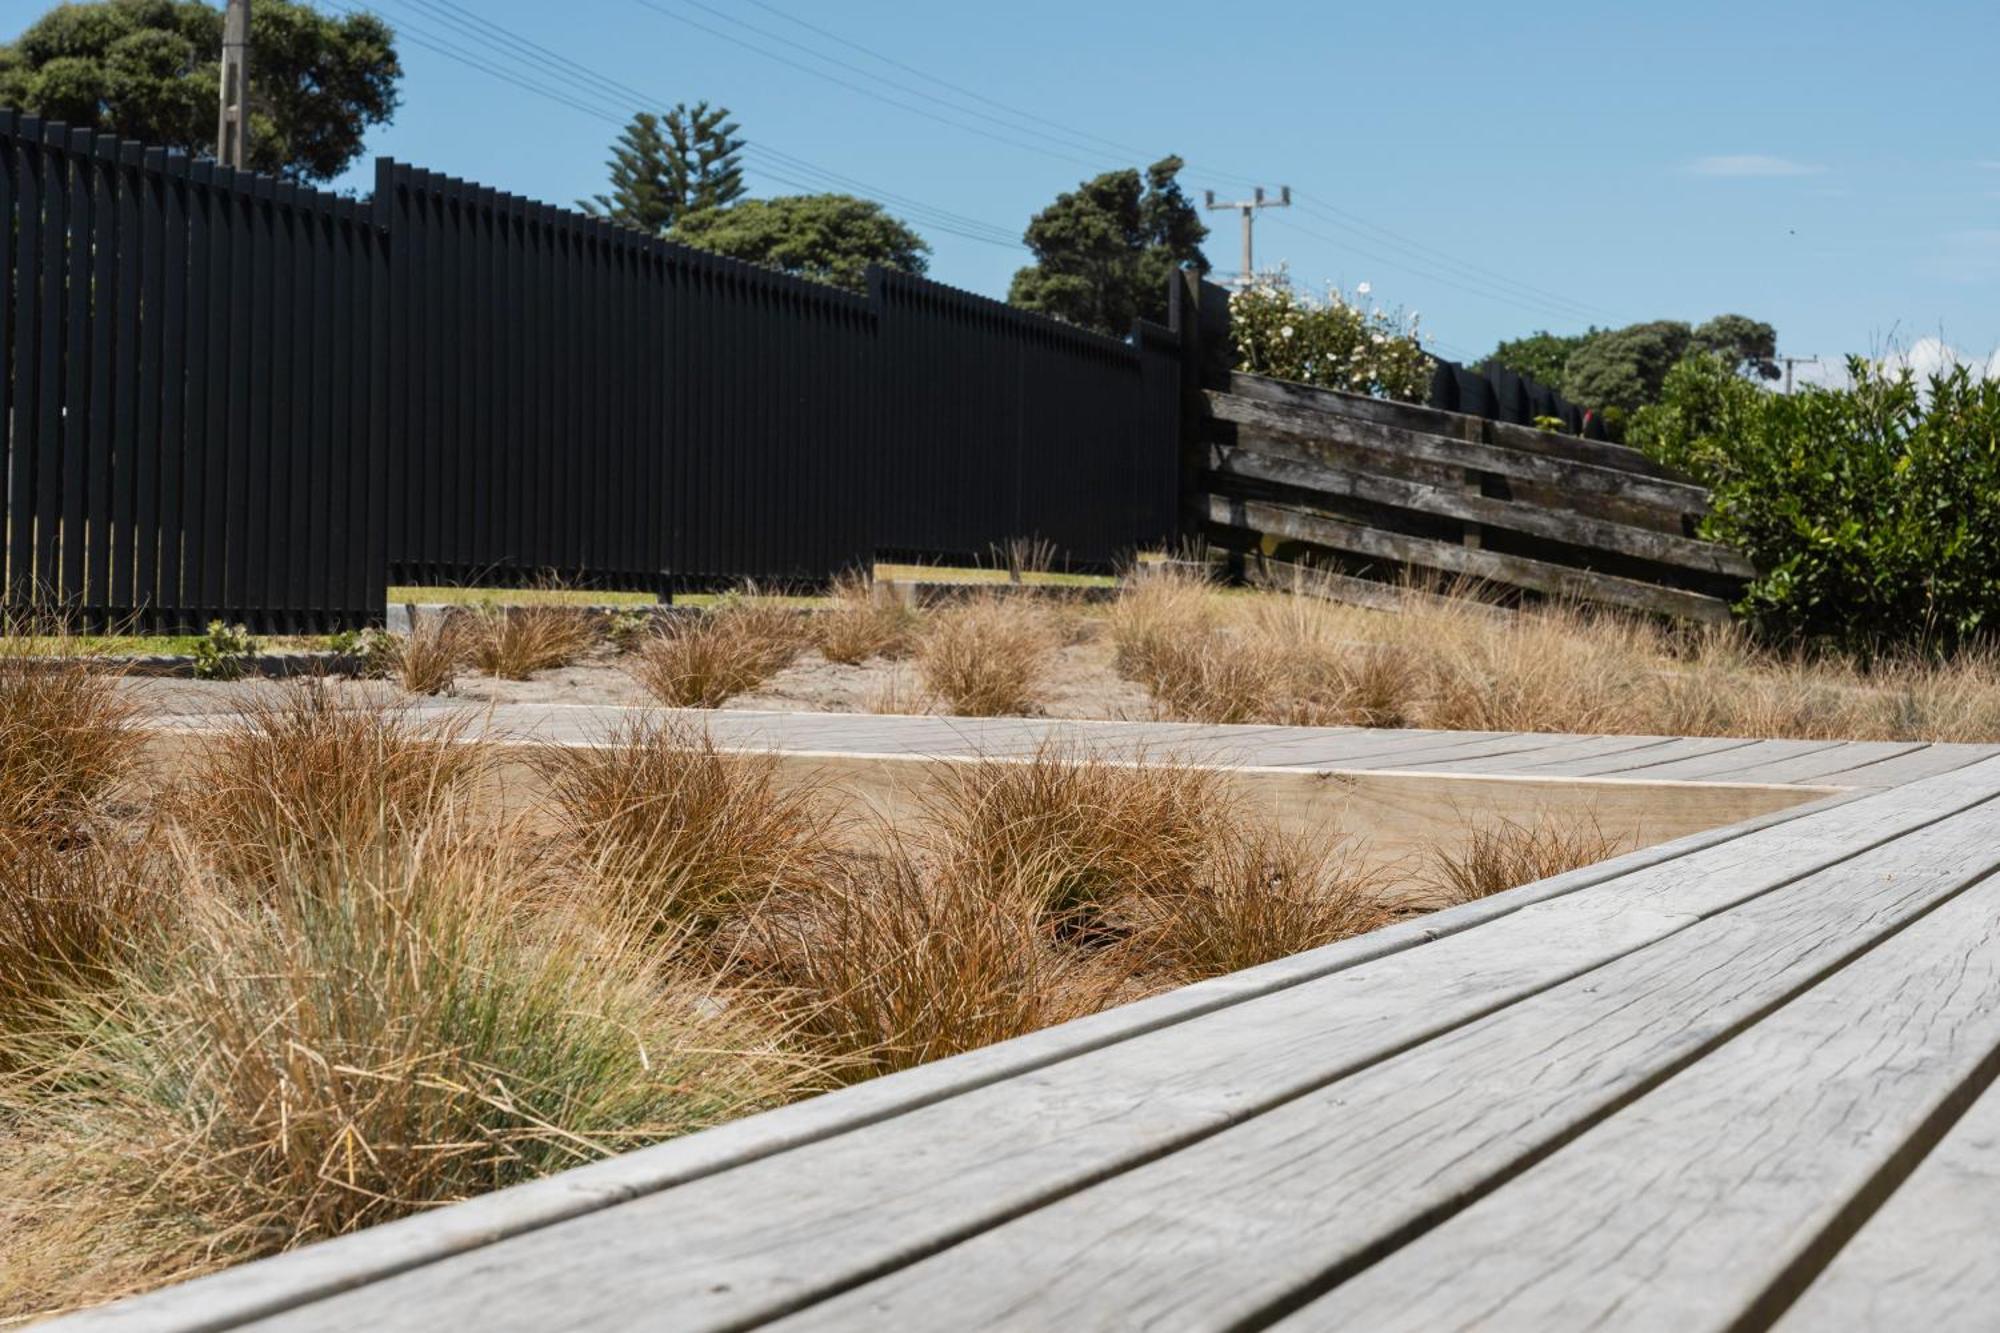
(299, 1279)
(1925, 1260)
(1520, 571)
(1705, 1202)
(1456, 425)
(1247, 1221)
(1297, 469)
(1566, 474)
(774, 1234)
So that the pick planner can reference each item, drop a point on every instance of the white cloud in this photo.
(1743, 165)
(1934, 356)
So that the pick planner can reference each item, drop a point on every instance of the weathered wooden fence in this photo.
(228, 396)
(1381, 491)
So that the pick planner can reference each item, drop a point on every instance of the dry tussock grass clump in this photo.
(703, 661)
(680, 833)
(890, 963)
(1288, 659)
(1554, 669)
(66, 742)
(1076, 830)
(1502, 854)
(860, 625)
(426, 659)
(986, 656)
(1264, 896)
(67, 916)
(1161, 609)
(301, 775)
(341, 1043)
(514, 642)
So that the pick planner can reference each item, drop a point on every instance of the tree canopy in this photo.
(830, 238)
(1625, 368)
(1104, 251)
(665, 167)
(150, 70)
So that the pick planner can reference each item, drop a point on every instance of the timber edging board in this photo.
(1309, 1141)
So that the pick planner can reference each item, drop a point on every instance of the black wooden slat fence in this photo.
(172, 455)
(226, 396)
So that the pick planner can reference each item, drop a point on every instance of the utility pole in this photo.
(232, 129)
(1249, 207)
(1791, 361)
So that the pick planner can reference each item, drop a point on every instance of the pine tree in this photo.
(704, 158)
(639, 174)
(663, 167)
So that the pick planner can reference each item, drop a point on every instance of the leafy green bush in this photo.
(224, 653)
(1332, 343)
(1871, 512)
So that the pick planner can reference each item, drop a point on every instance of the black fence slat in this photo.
(25, 172)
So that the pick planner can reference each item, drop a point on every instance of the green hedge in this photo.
(1871, 512)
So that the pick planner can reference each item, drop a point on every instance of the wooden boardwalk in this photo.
(1740, 1080)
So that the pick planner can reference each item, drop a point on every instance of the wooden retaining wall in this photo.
(1382, 490)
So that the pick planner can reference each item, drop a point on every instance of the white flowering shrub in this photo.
(1334, 343)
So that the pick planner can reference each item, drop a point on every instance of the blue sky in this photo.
(1832, 167)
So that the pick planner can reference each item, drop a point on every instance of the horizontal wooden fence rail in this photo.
(1381, 489)
(193, 411)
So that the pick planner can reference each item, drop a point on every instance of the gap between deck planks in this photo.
(786, 1231)
(240, 1296)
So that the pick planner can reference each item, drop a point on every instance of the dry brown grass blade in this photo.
(986, 656)
(861, 623)
(68, 915)
(372, 1037)
(702, 661)
(426, 659)
(1265, 896)
(889, 964)
(515, 642)
(1502, 854)
(301, 773)
(1075, 829)
(66, 740)
(681, 833)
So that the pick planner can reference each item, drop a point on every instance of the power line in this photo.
(1491, 283)
(1327, 213)
(787, 61)
(937, 218)
(1350, 222)
(963, 91)
(581, 85)
(1498, 297)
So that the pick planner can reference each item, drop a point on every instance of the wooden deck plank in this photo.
(773, 1233)
(1681, 747)
(297, 1280)
(1238, 1225)
(1821, 764)
(1554, 752)
(1723, 765)
(1926, 762)
(1924, 1261)
(1701, 1204)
